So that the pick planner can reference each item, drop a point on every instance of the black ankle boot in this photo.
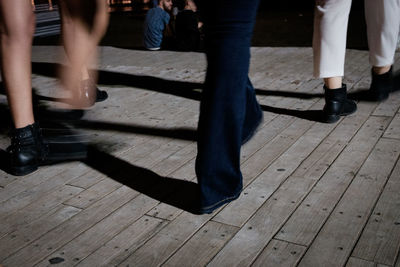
(381, 85)
(337, 104)
(27, 150)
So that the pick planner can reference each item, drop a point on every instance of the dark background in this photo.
(279, 24)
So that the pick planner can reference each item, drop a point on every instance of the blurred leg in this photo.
(17, 28)
(84, 24)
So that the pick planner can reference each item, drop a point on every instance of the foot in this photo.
(211, 208)
(87, 95)
(27, 150)
(381, 85)
(337, 104)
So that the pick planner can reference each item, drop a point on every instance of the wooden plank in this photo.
(37, 209)
(174, 162)
(204, 244)
(311, 168)
(254, 206)
(380, 240)
(93, 177)
(309, 217)
(324, 155)
(72, 228)
(166, 114)
(162, 162)
(315, 166)
(336, 240)
(393, 130)
(24, 236)
(166, 211)
(177, 149)
(251, 239)
(356, 262)
(6, 179)
(260, 161)
(97, 235)
(123, 244)
(186, 172)
(29, 195)
(160, 247)
(238, 212)
(86, 180)
(160, 165)
(174, 66)
(280, 253)
(160, 154)
(31, 180)
(388, 107)
(268, 131)
(93, 194)
(265, 223)
(272, 126)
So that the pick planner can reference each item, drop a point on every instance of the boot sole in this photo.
(379, 97)
(23, 170)
(332, 118)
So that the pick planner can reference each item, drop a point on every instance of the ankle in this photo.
(335, 91)
(381, 70)
(333, 83)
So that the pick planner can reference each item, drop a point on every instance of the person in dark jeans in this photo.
(187, 26)
(229, 112)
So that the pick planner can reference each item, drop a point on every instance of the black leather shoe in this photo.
(337, 104)
(27, 150)
(381, 85)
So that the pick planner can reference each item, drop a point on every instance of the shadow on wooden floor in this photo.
(178, 193)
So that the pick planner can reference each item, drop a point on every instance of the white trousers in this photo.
(330, 30)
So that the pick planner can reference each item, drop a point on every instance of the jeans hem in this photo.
(209, 209)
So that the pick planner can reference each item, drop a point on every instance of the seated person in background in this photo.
(156, 23)
(187, 26)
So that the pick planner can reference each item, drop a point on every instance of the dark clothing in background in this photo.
(187, 31)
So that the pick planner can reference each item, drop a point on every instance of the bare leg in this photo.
(381, 70)
(17, 26)
(333, 82)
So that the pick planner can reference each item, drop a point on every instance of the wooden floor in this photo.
(315, 194)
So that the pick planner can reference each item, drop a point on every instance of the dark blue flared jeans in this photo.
(229, 111)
